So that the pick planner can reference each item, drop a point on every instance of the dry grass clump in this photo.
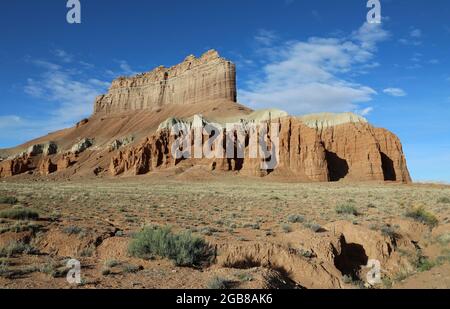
(421, 215)
(19, 214)
(184, 248)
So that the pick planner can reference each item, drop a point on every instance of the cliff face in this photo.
(320, 147)
(353, 151)
(195, 80)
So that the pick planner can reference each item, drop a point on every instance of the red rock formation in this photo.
(351, 151)
(64, 162)
(14, 167)
(46, 167)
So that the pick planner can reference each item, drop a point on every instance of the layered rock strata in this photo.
(207, 78)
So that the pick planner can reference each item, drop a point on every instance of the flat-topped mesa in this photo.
(195, 80)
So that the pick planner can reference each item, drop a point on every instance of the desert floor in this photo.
(266, 234)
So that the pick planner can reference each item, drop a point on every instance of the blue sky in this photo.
(300, 56)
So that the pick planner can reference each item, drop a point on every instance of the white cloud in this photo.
(415, 33)
(266, 37)
(413, 38)
(9, 121)
(370, 34)
(125, 69)
(73, 96)
(313, 75)
(366, 111)
(395, 92)
(68, 87)
(63, 55)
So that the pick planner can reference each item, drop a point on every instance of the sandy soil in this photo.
(267, 234)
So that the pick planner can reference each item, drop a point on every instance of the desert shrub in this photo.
(244, 277)
(22, 227)
(444, 200)
(296, 219)
(286, 228)
(184, 249)
(444, 239)
(128, 268)
(19, 214)
(112, 263)
(72, 230)
(17, 272)
(389, 231)
(305, 253)
(313, 227)
(106, 271)
(423, 263)
(88, 251)
(421, 215)
(346, 209)
(209, 231)
(218, 283)
(253, 226)
(16, 247)
(56, 269)
(316, 228)
(8, 200)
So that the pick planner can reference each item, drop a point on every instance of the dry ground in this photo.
(255, 224)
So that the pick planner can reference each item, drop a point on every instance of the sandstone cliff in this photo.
(352, 150)
(129, 133)
(195, 80)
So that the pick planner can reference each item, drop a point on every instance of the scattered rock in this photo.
(82, 145)
(119, 143)
(82, 123)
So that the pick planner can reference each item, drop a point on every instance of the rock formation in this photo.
(351, 150)
(207, 78)
(320, 147)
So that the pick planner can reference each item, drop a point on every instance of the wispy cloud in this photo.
(63, 55)
(365, 111)
(414, 38)
(266, 37)
(69, 89)
(415, 33)
(288, 2)
(395, 92)
(72, 93)
(314, 75)
(125, 69)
